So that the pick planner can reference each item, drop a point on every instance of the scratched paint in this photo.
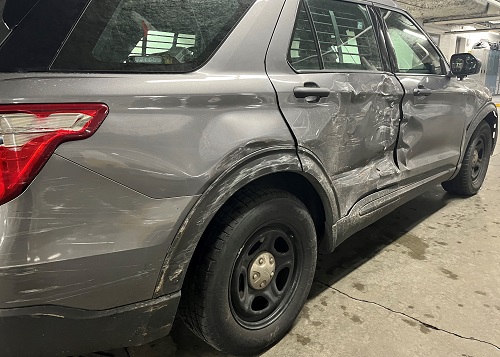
(178, 258)
(67, 244)
(353, 132)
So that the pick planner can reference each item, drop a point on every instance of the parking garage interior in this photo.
(422, 281)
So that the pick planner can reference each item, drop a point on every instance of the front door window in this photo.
(413, 51)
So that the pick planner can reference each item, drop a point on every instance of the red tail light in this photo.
(29, 134)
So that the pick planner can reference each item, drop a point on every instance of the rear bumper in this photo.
(59, 331)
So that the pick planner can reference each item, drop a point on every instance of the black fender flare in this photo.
(260, 164)
(482, 113)
(487, 109)
(314, 171)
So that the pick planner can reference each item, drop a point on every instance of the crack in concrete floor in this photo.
(408, 316)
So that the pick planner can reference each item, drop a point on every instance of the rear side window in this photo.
(345, 34)
(149, 35)
(4, 30)
(11, 13)
(15, 10)
(341, 31)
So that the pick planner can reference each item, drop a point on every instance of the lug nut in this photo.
(272, 274)
(255, 276)
(263, 284)
(271, 261)
(261, 261)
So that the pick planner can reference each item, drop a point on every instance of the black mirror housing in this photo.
(464, 64)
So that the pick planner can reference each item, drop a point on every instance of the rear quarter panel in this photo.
(93, 229)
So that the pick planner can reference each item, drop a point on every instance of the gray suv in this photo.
(192, 158)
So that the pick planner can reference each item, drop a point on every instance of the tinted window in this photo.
(414, 53)
(36, 40)
(11, 13)
(4, 30)
(345, 34)
(149, 35)
(15, 10)
(303, 52)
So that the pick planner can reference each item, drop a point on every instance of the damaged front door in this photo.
(337, 95)
(433, 121)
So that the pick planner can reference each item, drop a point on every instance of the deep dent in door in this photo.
(432, 126)
(365, 135)
(353, 132)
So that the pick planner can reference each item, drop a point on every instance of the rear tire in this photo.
(474, 165)
(251, 276)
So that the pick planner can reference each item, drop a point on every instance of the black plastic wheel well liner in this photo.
(300, 187)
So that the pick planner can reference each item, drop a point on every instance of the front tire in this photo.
(251, 276)
(474, 164)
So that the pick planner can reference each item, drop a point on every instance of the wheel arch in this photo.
(492, 120)
(487, 113)
(275, 169)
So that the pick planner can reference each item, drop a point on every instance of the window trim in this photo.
(315, 38)
(4, 28)
(389, 64)
(391, 50)
(315, 34)
(346, 70)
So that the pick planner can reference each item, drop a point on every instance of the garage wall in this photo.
(448, 42)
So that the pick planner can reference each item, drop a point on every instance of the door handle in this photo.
(311, 90)
(422, 91)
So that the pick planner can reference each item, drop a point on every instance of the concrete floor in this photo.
(423, 281)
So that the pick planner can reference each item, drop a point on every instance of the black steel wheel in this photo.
(253, 272)
(264, 275)
(475, 163)
(477, 166)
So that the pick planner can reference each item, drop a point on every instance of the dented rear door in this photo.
(336, 94)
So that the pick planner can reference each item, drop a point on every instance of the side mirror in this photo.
(464, 64)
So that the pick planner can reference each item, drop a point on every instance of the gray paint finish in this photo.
(423, 147)
(164, 145)
(77, 239)
(170, 135)
(113, 220)
(272, 160)
(353, 132)
(93, 229)
(123, 193)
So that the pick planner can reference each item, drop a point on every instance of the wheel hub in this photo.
(475, 158)
(261, 271)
